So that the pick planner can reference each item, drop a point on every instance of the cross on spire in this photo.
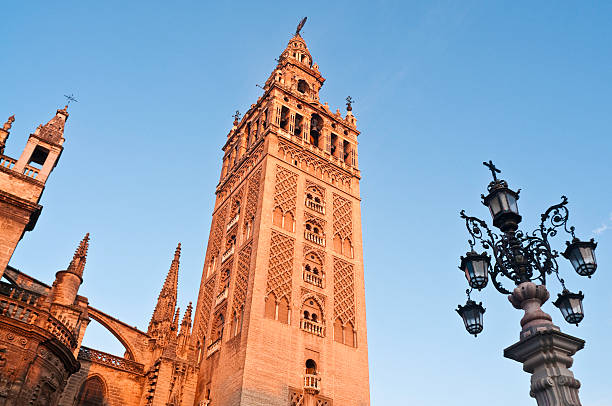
(492, 168)
(70, 98)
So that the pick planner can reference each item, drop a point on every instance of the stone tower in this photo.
(280, 318)
(22, 181)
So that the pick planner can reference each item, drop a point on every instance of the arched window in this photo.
(312, 322)
(92, 392)
(284, 118)
(270, 311)
(316, 128)
(217, 331)
(283, 311)
(314, 233)
(313, 270)
(302, 86)
(311, 367)
(338, 331)
(277, 217)
(288, 221)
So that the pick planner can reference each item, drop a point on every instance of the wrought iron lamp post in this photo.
(525, 258)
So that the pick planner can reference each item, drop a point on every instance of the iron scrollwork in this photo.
(519, 256)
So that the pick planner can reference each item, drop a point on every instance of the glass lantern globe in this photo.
(476, 269)
(502, 203)
(570, 305)
(472, 314)
(581, 254)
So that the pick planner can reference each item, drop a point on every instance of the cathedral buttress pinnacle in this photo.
(166, 302)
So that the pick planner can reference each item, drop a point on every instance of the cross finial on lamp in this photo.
(492, 168)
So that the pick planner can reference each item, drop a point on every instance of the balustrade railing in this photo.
(113, 361)
(312, 383)
(233, 221)
(214, 347)
(15, 292)
(22, 305)
(61, 332)
(7, 162)
(221, 296)
(318, 207)
(313, 279)
(312, 327)
(18, 310)
(228, 253)
(30, 171)
(316, 238)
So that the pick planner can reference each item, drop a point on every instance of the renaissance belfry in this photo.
(280, 318)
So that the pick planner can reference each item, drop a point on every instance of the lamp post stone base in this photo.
(545, 352)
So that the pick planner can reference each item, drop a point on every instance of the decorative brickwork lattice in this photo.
(296, 398)
(239, 174)
(217, 231)
(206, 305)
(280, 268)
(236, 202)
(242, 279)
(324, 402)
(343, 217)
(252, 196)
(285, 191)
(344, 292)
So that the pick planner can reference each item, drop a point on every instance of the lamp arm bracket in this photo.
(554, 217)
(479, 231)
(497, 271)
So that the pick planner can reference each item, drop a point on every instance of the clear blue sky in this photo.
(439, 86)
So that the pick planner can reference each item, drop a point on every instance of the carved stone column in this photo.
(545, 352)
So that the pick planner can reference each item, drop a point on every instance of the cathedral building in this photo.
(280, 316)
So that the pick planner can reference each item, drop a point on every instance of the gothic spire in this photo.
(176, 319)
(77, 265)
(166, 302)
(186, 323)
(53, 131)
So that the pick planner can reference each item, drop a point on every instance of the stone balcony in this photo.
(312, 383)
(227, 254)
(232, 222)
(312, 327)
(28, 307)
(214, 347)
(313, 279)
(312, 205)
(316, 238)
(221, 296)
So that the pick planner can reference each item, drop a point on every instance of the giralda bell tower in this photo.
(280, 318)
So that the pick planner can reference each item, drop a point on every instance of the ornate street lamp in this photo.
(476, 268)
(471, 314)
(525, 258)
(582, 256)
(570, 305)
